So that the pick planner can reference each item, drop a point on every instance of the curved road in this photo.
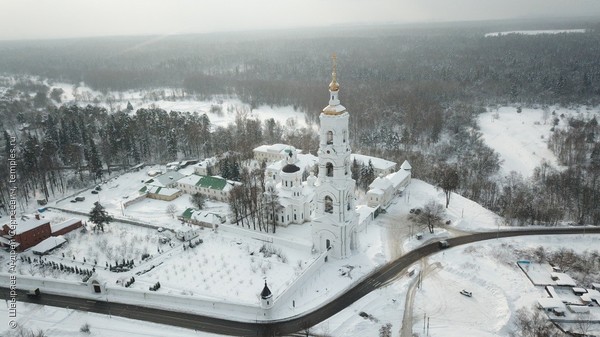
(289, 325)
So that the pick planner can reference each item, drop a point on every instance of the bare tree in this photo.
(432, 213)
(532, 323)
(171, 210)
(448, 180)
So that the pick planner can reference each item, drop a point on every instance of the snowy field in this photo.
(536, 32)
(175, 100)
(521, 138)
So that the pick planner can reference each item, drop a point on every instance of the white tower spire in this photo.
(334, 227)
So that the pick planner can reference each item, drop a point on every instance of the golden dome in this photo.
(334, 85)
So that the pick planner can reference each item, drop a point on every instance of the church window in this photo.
(328, 204)
(294, 216)
(329, 169)
(329, 137)
(282, 219)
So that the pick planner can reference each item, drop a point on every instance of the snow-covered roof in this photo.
(29, 224)
(406, 166)
(376, 191)
(378, 163)
(579, 290)
(48, 244)
(202, 216)
(397, 178)
(381, 183)
(208, 162)
(578, 309)
(591, 295)
(165, 179)
(549, 303)
(596, 286)
(275, 148)
(59, 226)
(305, 161)
(162, 190)
(563, 279)
(364, 211)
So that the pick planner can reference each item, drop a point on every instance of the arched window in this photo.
(328, 204)
(329, 137)
(329, 169)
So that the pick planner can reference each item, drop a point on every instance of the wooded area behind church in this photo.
(414, 93)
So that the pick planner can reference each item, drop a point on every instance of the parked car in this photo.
(443, 244)
(98, 188)
(33, 292)
(73, 200)
(466, 293)
(79, 198)
(419, 236)
(94, 192)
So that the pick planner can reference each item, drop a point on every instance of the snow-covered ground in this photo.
(536, 32)
(488, 269)
(221, 111)
(521, 138)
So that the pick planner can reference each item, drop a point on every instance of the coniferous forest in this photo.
(414, 93)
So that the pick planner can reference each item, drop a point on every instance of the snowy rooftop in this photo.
(275, 148)
(160, 190)
(378, 163)
(29, 224)
(563, 279)
(165, 179)
(48, 244)
(550, 303)
(208, 162)
(391, 180)
(203, 216)
(305, 161)
(364, 212)
(64, 224)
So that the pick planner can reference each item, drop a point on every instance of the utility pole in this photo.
(428, 325)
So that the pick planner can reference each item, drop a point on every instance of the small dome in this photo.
(266, 292)
(334, 85)
(290, 168)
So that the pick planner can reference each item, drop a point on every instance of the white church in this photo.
(327, 200)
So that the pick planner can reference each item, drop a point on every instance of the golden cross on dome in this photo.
(334, 86)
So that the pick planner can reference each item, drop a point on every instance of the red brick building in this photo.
(65, 227)
(28, 232)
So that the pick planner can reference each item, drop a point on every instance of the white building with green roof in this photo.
(215, 188)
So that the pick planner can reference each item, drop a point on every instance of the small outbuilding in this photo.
(48, 245)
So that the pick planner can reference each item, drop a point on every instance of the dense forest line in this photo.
(414, 93)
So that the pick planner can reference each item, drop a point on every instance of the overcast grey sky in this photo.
(27, 19)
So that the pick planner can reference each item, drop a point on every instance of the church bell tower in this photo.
(334, 226)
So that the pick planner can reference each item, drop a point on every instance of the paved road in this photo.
(290, 325)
